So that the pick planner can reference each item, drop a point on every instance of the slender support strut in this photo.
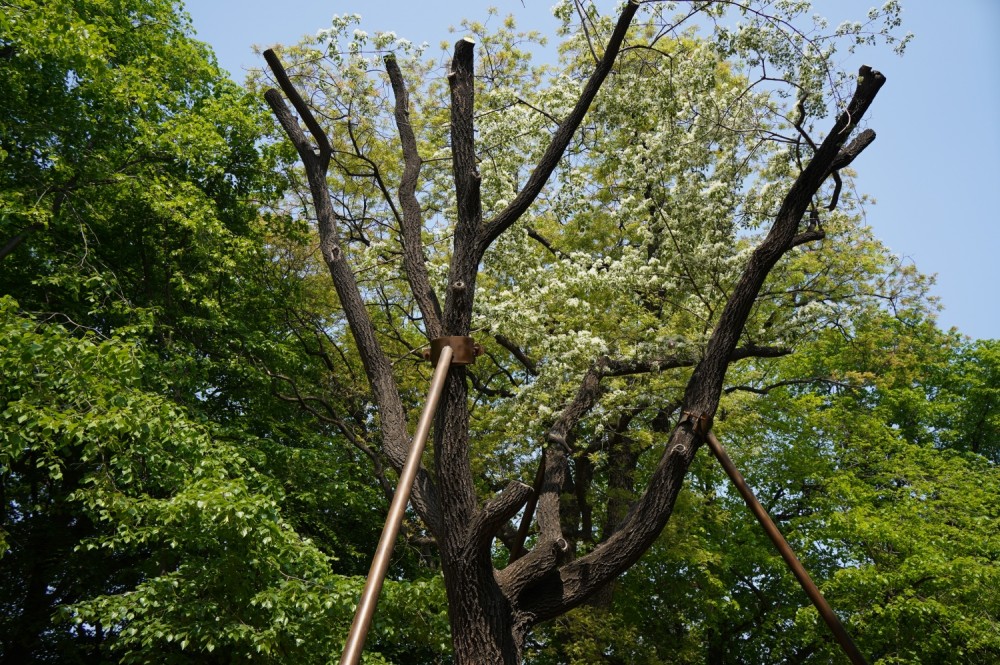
(380, 563)
(786, 552)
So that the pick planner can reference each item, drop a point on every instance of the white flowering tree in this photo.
(670, 204)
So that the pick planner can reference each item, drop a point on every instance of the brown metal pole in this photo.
(380, 564)
(786, 552)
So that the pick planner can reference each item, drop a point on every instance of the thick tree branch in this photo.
(548, 510)
(703, 389)
(451, 430)
(850, 152)
(807, 236)
(461, 79)
(412, 223)
(517, 546)
(464, 261)
(555, 593)
(844, 158)
(300, 107)
(378, 369)
(560, 140)
(496, 512)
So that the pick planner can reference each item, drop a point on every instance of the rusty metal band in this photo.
(815, 595)
(464, 349)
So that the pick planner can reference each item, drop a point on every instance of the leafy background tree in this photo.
(193, 465)
(147, 456)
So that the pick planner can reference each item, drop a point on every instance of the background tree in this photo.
(158, 493)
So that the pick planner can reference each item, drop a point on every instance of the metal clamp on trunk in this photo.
(465, 350)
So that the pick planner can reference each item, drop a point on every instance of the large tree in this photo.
(599, 235)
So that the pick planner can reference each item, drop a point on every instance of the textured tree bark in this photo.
(412, 222)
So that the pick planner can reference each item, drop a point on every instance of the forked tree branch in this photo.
(496, 512)
(281, 76)
(807, 236)
(378, 369)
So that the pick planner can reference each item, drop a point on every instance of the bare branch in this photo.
(788, 382)
(551, 118)
(850, 152)
(516, 351)
(305, 401)
(322, 142)
(844, 158)
(544, 242)
(582, 13)
(560, 140)
(807, 236)
(412, 223)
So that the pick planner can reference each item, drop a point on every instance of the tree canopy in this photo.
(213, 314)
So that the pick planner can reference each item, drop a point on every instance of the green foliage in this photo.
(121, 483)
(854, 451)
(158, 533)
(160, 499)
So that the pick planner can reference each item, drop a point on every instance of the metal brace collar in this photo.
(465, 350)
(700, 423)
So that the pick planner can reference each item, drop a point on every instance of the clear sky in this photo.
(934, 169)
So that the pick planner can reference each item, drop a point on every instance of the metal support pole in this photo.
(786, 552)
(380, 563)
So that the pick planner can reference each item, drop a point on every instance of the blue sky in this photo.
(934, 169)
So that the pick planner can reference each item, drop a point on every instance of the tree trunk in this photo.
(483, 626)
